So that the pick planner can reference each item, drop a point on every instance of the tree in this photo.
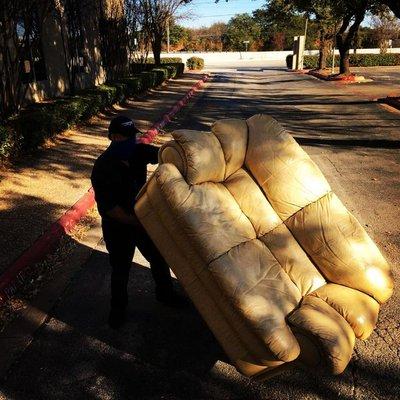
(280, 21)
(156, 14)
(21, 62)
(394, 5)
(241, 28)
(177, 34)
(114, 36)
(347, 16)
(352, 14)
(386, 28)
(326, 21)
(75, 18)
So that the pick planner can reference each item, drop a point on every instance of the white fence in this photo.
(229, 56)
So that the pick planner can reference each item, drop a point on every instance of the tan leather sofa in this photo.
(280, 270)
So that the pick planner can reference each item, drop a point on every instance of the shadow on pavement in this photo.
(161, 353)
(373, 143)
(164, 353)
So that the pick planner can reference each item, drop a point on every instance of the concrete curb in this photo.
(340, 79)
(13, 277)
(391, 101)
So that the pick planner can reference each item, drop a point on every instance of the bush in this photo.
(356, 60)
(161, 75)
(129, 87)
(195, 63)
(166, 60)
(374, 60)
(136, 68)
(41, 121)
(6, 141)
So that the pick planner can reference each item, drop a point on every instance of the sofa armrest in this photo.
(357, 308)
(317, 323)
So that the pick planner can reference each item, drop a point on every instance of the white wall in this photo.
(229, 56)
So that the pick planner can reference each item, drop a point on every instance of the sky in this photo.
(206, 12)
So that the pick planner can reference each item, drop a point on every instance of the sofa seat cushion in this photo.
(262, 291)
(293, 259)
(252, 202)
(209, 215)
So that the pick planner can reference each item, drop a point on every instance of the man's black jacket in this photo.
(115, 183)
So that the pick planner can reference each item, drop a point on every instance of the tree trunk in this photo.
(323, 51)
(156, 46)
(344, 61)
(346, 35)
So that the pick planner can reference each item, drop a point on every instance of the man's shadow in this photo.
(158, 335)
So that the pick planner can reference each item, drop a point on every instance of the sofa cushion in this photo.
(252, 202)
(203, 158)
(262, 291)
(232, 134)
(208, 214)
(293, 259)
(341, 248)
(285, 172)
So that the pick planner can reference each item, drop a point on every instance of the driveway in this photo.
(164, 353)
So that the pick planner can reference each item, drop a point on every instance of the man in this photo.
(117, 176)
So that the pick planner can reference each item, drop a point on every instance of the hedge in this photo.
(166, 60)
(41, 121)
(136, 68)
(195, 63)
(356, 60)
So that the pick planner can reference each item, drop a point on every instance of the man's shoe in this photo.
(116, 318)
(171, 298)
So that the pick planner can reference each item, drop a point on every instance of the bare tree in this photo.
(386, 27)
(139, 38)
(394, 5)
(156, 15)
(114, 38)
(21, 58)
(75, 18)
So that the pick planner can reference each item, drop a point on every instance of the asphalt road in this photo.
(170, 354)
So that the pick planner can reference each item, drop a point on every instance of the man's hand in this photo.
(120, 215)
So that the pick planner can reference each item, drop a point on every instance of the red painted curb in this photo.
(45, 244)
(150, 135)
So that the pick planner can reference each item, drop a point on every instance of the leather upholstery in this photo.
(280, 270)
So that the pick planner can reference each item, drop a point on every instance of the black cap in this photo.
(123, 126)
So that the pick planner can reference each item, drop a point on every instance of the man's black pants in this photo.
(121, 240)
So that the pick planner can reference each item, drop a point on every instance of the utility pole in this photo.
(333, 51)
(305, 30)
(168, 35)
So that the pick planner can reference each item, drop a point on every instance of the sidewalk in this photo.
(42, 187)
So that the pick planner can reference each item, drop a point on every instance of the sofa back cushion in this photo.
(198, 156)
(208, 156)
(232, 135)
(330, 235)
(285, 172)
